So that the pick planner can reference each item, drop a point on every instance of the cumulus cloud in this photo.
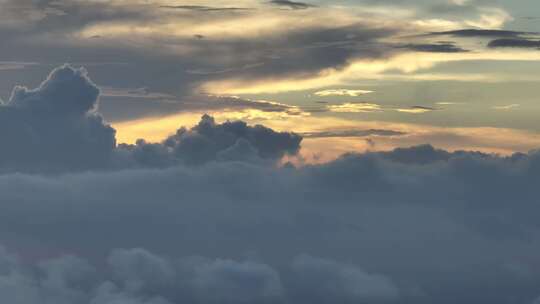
(209, 141)
(55, 125)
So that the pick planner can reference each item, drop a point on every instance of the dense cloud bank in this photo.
(217, 222)
(413, 225)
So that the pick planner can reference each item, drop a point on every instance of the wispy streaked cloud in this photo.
(352, 133)
(295, 5)
(445, 103)
(203, 8)
(342, 92)
(416, 110)
(351, 107)
(507, 107)
(16, 65)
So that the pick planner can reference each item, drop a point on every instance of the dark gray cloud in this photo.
(434, 48)
(396, 227)
(55, 125)
(514, 43)
(424, 154)
(482, 33)
(209, 141)
(292, 4)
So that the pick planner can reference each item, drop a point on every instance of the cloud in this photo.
(236, 282)
(209, 141)
(55, 125)
(279, 54)
(383, 222)
(446, 103)
(141, 277)
(326, 281)
(135, 93)
(267, 53)
(218, 220)
(292, 4)
(131, 105)
(350, 107)
(434, 48)
(482, 33)
(507, 107)
(342, 92)
(514, 43)
(352, 133)
(358, 107)
(202, 8)
(416, 110)
(15, 65)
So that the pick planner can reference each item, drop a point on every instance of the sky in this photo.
(460, 74)
(269, 151)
